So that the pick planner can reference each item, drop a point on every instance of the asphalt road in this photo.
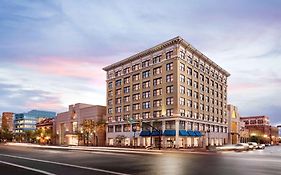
(16, 160)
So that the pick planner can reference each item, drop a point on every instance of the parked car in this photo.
(267, 144)
(253, 145)
(244, 145)
(261, 146)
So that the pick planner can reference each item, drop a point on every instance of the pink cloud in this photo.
(83, 68)
(50, 103)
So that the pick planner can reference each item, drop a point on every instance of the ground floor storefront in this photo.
(144, 139)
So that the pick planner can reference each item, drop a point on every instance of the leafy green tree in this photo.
(6, 135)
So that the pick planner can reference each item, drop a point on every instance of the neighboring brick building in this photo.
(68, 125)
(46, 128)
(8, 121)
(259, 126)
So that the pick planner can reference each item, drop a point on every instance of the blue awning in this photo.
(170, 133)
(156, 133)
(198, 133)
(183, 133)
(191, 133)
(145, 133)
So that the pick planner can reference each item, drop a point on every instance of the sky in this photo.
(52, 51)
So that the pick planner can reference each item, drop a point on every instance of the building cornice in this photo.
(176, 40)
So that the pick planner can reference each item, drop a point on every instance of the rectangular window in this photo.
(146, 105)
(109, 102)
(182, 90)
(110, 128)
(136, 77)
(118, 128)
(146, 84)
(118, 109)
(169, 100)
(157, 114)
(189, 92)
(136, 67)
(118, 92)
(169, 54)
(127, 89)
(189, 82)
(118, 82)
(196, 95)
(145, 63)
(126, 70)
(202, 87)
(189, 103)
(189, 71)
(182, 67)
(136, 106)
(195, 84)
(118, 73)
(195, 74)
(146, 115)
(182, 101)
(127, 99)
(157, 59)
(182, 112)
(169, 78)
(126, 108)
(109, 85)
(109, 110)
(182, 54)
(169, 66)
(136, 97)
(182, 78)
(157, 70)
(157, 103)
(127, 80)
(145, 74)
(157, 92)
(169, 89)
(169, 112)
(201, 77)
(157, 81)
(146, 94)
(136, 87)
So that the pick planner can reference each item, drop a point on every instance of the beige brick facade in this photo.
(173, 87)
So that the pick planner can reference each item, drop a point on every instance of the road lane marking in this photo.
(27, 168)
(101, 149)
(65, 164)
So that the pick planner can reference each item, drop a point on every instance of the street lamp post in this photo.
(208, 131)
(134, 138)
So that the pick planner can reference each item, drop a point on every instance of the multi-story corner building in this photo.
(69, 129)
(8, 121)
(172, 87)
(259, 127)
(27, 121)
(234, 125)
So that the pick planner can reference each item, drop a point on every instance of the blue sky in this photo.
(52, 52)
